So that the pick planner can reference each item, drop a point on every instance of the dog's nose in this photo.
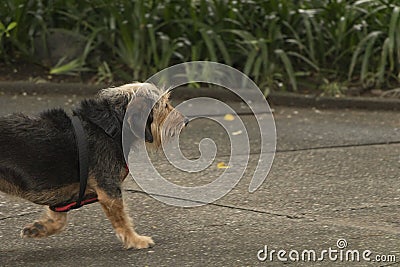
(186, 120)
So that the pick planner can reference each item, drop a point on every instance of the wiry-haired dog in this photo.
(39, 162)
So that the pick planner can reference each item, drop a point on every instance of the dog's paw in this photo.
(139, 242)
(34, 230)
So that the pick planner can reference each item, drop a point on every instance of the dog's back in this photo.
(37, 153)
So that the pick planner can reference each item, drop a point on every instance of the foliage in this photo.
(278, 43)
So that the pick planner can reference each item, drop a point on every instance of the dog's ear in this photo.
(140, 117)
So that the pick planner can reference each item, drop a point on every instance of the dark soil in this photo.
(36, 73)
(39, 74)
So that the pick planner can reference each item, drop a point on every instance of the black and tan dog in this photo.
(38, 156)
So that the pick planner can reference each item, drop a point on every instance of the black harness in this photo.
(83, 156)
(113, 130)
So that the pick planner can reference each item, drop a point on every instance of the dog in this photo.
(39, 162)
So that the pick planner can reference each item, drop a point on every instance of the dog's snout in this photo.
(186, 121)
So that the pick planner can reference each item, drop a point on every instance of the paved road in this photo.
(336, 175)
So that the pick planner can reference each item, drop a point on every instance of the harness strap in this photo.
(83, 162)
(113, 130)
(81, 144)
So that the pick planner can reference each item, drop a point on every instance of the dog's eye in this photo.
(166, 105)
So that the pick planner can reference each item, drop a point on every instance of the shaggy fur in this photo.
(38, 155)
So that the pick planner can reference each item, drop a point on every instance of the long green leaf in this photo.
(306, 60)
(210, 47)
(223, 49)
(358, 50)
(288, 67)
(153, 43)
(367, 56)
(69, 68)
(250, 62)
(310, 39)
(394, 27)
(383, 62)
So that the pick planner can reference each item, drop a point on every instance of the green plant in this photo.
(280, 44)
(5, 31)
(333, 88)
(77, 65)
(104, 74)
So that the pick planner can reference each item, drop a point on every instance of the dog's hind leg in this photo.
(115, 211)
(50, 223)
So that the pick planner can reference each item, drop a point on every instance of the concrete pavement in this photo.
(336, 175)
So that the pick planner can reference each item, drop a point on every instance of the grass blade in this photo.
(367, 56)
(288, 67)
(394, 27)
(383, 62)
(210, 47)
(358, 50)
(250, 62)
(306, 60)
(223, 49)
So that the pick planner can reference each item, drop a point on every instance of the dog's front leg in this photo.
(50, 223)
(115, 211)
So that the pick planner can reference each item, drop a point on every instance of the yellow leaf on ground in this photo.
(229, 117)
(221, 165)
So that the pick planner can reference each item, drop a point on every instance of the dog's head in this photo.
(147, 111)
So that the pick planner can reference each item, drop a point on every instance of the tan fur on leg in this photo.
(51, 223)
(114, 209)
